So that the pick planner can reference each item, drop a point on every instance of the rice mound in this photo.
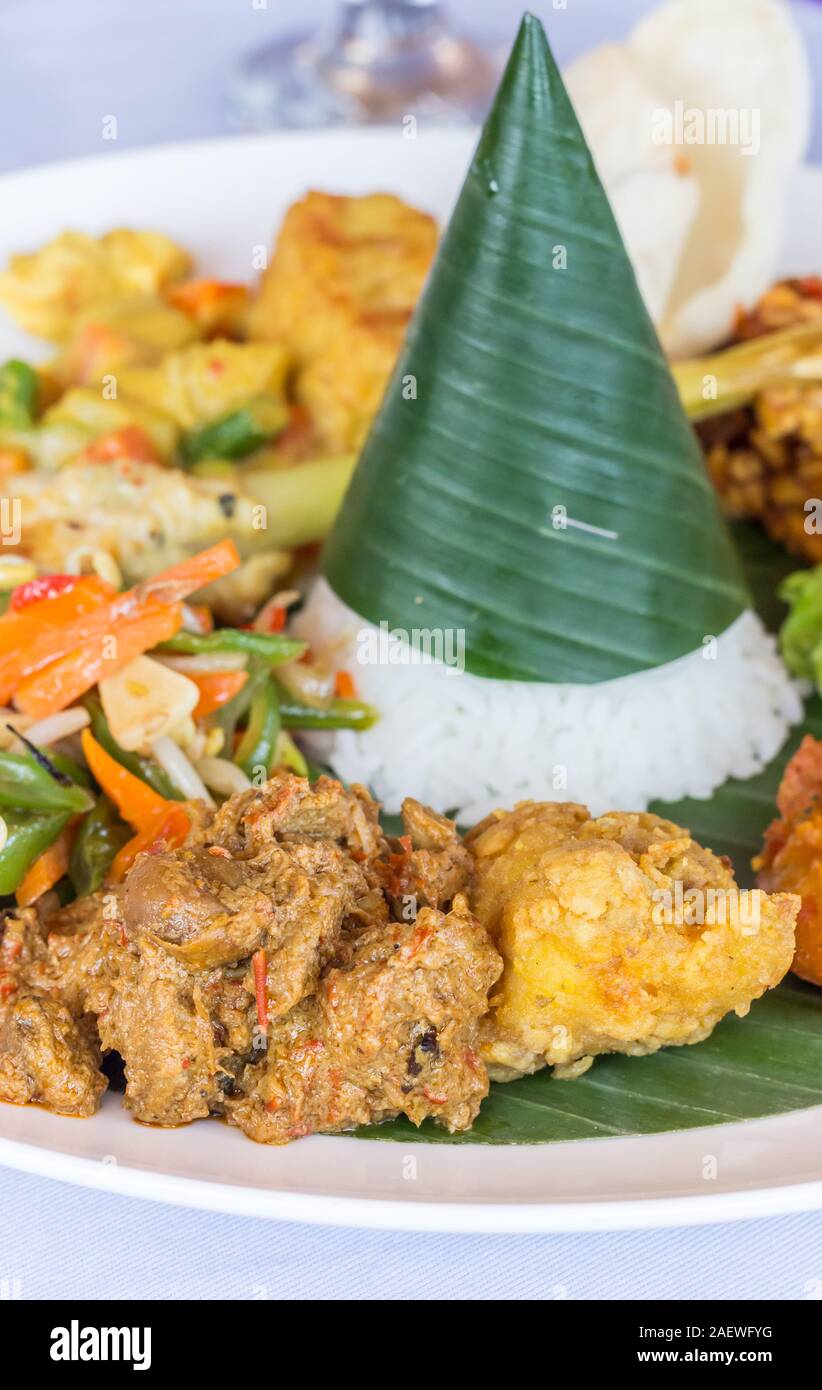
(468, 745)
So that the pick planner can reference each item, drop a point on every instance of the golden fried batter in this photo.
(342, 285)
(791, 858)
(765, 459)
(619, 934)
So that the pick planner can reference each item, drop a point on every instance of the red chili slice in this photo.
(46, 586)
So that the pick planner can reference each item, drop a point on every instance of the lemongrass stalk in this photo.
(301, 501)
(725, 380)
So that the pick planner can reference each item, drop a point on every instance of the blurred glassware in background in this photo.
(378, 61)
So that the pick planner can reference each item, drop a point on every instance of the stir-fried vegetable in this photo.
(136, 801)
(258, 746)
(216, 689)
(47, 869)
(50, 658)
(237, 434)
(99, 839)
(18, 395)
(27, 786)
(338, 714)
(71, 640)
(146, 769)
(29, 836)
(271, 647)
(159, 823)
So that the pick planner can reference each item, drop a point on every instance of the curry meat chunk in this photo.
(286, 910)
(393, 1029)
(49, 1052)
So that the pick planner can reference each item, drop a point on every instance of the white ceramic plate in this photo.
(222, 199)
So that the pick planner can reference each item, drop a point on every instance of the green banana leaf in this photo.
(766, 1064)
(531, 478)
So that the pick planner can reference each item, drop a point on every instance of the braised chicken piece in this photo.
(393, 1029)
(286, 913)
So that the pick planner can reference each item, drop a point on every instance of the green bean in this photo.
(26, 785)
(339, 714)
(270, 647)
(70, 769)
(100, 836)
(258, 745)
(27, 838)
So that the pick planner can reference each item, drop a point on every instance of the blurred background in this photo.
(186, 69)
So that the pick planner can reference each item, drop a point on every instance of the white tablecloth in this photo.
(160, 66)
(58, 1241)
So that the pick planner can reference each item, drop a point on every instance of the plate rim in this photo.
(446, 1217)
(455, 134)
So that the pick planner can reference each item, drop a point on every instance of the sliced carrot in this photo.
(160, 824)
(46, 642)
(137, 802)
(177, 582)
(63, 681)
(216, 689)
(47, 870)
(344, 686)
(131, 442)
(169, 831)
(28, 616)
(26, 650)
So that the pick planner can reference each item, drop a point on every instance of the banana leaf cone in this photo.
(531, 511)
(531, 478)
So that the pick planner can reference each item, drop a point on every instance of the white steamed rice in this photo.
(467, 744)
